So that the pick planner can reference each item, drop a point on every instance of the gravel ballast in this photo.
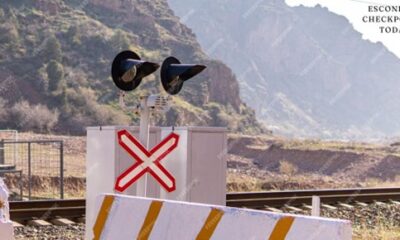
(369, 217)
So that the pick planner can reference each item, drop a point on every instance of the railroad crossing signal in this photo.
(128, 70)
(174, 74)
(146, 161)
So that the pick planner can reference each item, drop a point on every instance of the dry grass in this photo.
(242, 182)
(378, 233)
(287, 168)
(373, 148)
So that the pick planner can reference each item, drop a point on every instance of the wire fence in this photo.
(9, 135)
(33, 169)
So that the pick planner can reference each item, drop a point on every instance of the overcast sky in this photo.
(354, 10)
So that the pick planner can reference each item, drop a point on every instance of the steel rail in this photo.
(311, 192)
(295, 201)
(22, 211)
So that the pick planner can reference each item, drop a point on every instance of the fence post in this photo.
(29, 171)
(2, 153)
(316, 204)
(62, 170)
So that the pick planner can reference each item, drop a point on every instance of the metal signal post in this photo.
(147, 104)
(144, 130)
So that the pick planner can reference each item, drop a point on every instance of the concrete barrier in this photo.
(6, 231)
(124, 217)
(6, 227)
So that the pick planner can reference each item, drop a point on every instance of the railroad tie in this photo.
(361, 204)
(394, 202)
(307, 207)
(379, 203)
(62, 222)
(345, 205)
(294, 209)
(272, 209)
(328, 207)
(38, 222)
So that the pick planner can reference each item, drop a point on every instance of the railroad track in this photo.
(344, 197)
(22, 211)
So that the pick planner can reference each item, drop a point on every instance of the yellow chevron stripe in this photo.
(281, 228)
(149, 221)
(102, 216)
(210, 225)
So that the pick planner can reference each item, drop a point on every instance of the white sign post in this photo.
(144, 139)
(147, 103)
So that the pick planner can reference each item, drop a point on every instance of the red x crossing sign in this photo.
(146, 161)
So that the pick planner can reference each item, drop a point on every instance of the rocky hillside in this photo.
(55, 59)
(306, 71)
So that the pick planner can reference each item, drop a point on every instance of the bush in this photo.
(3, 111)
(100, 115)
(287, 168)
(87, 112)
(217, 115)
(52, 49)
(106, 115)
(9, 34)
(2, 14)
(42, 81)
(76, 123)
(120, 41)
(73, 35)
(28, 117)
(55, 74)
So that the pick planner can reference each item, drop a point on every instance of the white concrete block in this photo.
(105, 161)
(198, 165)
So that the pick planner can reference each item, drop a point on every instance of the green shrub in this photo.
(9, 34)
(2, 15)
(120, 41)
(55, 74)
(73, 35)
(3, 111)
(52, 49)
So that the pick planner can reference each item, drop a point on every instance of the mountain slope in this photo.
(56, 56)
(306, 71)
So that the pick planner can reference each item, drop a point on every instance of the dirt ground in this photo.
(264, 163)
(268, 163)
(258, 163)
